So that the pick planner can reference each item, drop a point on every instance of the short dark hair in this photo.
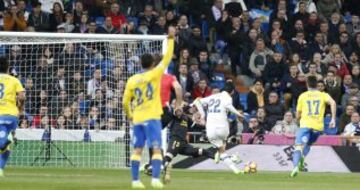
(4, 64)
(147, 60)
(311, 81)
(229, 87)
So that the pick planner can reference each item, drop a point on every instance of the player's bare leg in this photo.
(135, 164)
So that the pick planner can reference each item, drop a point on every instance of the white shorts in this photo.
(217, 135)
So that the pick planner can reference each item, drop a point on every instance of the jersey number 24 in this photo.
(148, 94)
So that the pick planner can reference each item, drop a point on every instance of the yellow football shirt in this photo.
(142, 92)
(9, 87)
(312, 106)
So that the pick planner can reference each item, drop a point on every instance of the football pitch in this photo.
(99, 179)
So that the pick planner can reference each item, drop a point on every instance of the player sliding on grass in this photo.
(143, 106)
(178, 144)
(12, 98)
(310, 110)
(217, 125)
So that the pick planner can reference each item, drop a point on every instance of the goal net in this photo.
(74, 85)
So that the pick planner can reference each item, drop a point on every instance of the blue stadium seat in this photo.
(327, 129)
(243, 100)
(205, 29)
(100, 20)
(135, 20)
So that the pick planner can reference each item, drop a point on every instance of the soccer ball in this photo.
(250, 168)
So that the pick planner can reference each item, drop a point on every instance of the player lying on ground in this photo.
(310, 110)
(12, 99)
(142, 105)
(182, 119)
(217, 125)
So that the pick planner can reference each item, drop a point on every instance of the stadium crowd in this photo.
(266, 47)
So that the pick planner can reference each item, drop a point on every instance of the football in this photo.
(250, 168)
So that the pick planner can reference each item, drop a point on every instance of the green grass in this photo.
(98, 179)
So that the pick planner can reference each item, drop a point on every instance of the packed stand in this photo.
(266, 47)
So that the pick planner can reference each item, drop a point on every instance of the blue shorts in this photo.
(306, 136)
(8, 124)
(149, 131)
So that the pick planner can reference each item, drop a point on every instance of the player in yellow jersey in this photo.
(12, 98)
(310, 111)
(143, 106)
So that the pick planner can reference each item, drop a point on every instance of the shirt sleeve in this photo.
(19, 87)
(127, 99)
(165, 62)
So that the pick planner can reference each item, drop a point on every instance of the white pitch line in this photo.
(47, 175)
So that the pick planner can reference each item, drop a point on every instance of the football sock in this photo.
(297, 155)
(156, 165)
(4, 158)
(306, 150)
(229, 163)
(168, 157)
(135, 165)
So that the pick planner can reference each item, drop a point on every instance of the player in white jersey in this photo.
(217, 125)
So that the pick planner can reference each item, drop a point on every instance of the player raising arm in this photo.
(310, 111)
(143, 106)
(12, 98)
(217, 125)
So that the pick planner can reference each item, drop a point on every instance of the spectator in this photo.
(347, 81)
(233, 39)
(184, 31)
(333, 86)
(37, 118)
(274, 70)
(345, 43)
(185, 79)
(48, 5)
(287, 126)
(345, 118)
(56, 17)
(39, 19)
(159, 28)
(195, 72)
(354, 26)
(326, 7)
(259, 58)
(353, 128)
(274, 110)
(59, 102)
(234, 8)
(204, 62)
(353, 60)
(94, 117)
(299, 86)
(107, 28)
(45, 123)
(353, 91)
(94, 83)
(201, 90)
(330, 57)
(287, 81)
(256, 97)
(21, 4)
(117, 18)
(313, 71)
(317, 46)
(60, 122)
(301, 13)
(84, 25)
(321, 86)
(329, 38)
(14, 20)
(149, 15)
(77, 12)
(309, 6)
(299, 44)
(196, 42)
(59, 81)
(320, 68)
(312, 26)
(253, 126)
(279, 45)
(262, 119)
(355, 73)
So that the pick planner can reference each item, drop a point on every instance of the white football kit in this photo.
(217, 125)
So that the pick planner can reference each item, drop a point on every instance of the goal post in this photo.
(74, 85)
